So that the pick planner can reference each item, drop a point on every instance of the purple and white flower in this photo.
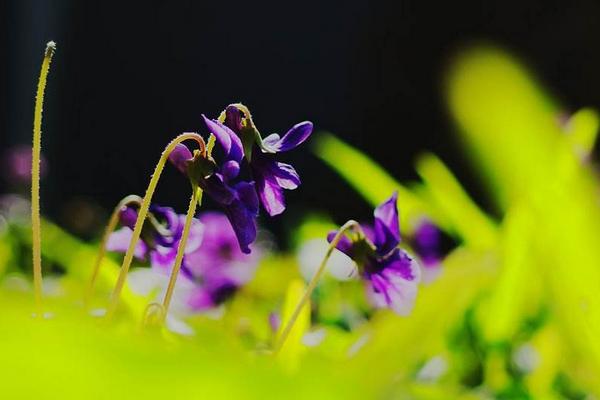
(161, 234)
(213, 268)
(390, 274)
(218, 267)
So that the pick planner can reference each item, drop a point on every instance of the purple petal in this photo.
(246, 192)
(390, 288)
(230, 169)
(217, 189)
(119, 241)
(233, 118)
(294, 137)
(427, 238)
(200, 299)
(220, 245)
(172, 222)
(401, 263)
(163, 258)
(180, 156)
(195, 236)
(229, 141)
(211, 294)
(344, 245)
(286, 176)
(427, 234)
(270, 175)
(271, 194)
(222, 290)
(242, 216)
(128, 217)
(266, 170)
(387, 228)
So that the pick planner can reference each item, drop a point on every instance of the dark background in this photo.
(129, 76)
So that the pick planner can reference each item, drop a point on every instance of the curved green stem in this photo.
(197, 192)
(110, 227)
(313, 282)
(143, 212)
(35, 176)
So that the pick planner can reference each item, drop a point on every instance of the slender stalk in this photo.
(313, 283)
(181, 248)
(110, 227)
(143, 212)
(35, 176)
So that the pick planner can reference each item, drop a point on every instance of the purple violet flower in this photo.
(426, 243)
(238, 199)
(271, 175)
(390, 274)
(160, 236)
(218, 266)
(213, 271)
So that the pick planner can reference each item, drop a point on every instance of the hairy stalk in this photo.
(143, 212)
(197, 192)
(158, 312)
(35, 176)
(110, 227)
(313, 283)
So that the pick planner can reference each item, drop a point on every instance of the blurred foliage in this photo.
(513, 314)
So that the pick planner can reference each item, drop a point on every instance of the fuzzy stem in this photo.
(197, 192)
(35, 176)
(143, 212)
(110, 227)
(313, 283)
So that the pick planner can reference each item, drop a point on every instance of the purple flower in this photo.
(218, 267)
(271, 176)
(160, 236)
(17, 164)
(390, 274)
(213, 268)
(238, 199)
(426, 243)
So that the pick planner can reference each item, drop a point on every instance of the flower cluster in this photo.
(213, 266)
(241, 146)
(216, 260)
(390, 274)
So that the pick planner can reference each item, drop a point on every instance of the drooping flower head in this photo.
(220, 181)
(240, 143)
(161, 234)
(271, 176)
(390, 274)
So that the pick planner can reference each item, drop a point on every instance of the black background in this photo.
(129, 76)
